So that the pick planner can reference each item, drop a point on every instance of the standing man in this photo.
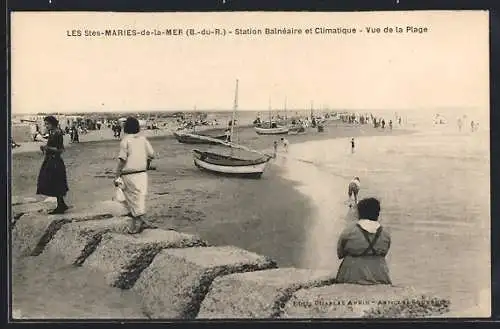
(352, 145)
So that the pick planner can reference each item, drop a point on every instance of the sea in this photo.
(434, 188)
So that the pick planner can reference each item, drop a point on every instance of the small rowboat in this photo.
(230, 165)
(191, 138)
(272, 131)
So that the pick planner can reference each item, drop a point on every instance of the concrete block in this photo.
(113, 207)
(33, 231)
(177, 280)
(76, 241)
(123, 257)
(363, 301)
(22, 209)
(17, 200)
(261, 294)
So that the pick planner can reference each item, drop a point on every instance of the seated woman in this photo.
(363, 248)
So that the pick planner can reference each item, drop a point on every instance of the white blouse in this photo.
(135, 150)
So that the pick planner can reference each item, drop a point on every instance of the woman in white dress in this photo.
(131, 173)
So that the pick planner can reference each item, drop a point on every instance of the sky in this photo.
(52, 72)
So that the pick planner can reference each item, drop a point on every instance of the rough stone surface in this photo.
(177, 280)
(40, 207)
(261, 294)
(123, 257)
(113, 207)
(32, 232)
(17, 200)
(363, 301)
(76, 241)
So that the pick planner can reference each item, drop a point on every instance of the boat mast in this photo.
(235, 107)
(194, 123)
(312, 109)
(270, 120)
(286, 117)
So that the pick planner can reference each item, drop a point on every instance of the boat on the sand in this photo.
(276, 130)
(271, 127)
(237, 160)
(242, 165)
(197, 138)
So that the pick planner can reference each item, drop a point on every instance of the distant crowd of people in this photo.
(377, 122)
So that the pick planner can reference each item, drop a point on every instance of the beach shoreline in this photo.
(323, 180)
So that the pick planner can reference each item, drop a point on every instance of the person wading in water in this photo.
(353, 189)
(52, 180)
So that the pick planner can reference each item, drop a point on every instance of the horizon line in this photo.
(243, 110)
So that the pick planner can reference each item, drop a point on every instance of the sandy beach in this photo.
(267, 216)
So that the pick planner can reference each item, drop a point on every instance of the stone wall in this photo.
(180, 276)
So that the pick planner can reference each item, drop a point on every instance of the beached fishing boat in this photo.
(297, 129)
(197, 138)
(278, 130)
(271, 128)
(192, 137)
(237, 160)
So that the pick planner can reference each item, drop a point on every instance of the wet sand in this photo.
(267, 216)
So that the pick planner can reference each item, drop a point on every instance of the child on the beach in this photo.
(353, 189)
(285, 143)
(275, 147)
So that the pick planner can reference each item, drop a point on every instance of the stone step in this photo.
(39, 207)
(177, 280)
(261, 294)
(122, 258)
(363, 301)
(18, 200)
(76, 241)
(33, 231)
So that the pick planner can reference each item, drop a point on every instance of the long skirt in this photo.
(52, 180)
(363, 270)
(135, 189)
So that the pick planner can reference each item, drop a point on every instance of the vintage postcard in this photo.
(250, 165)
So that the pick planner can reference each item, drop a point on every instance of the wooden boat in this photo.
(297, 129)
(238, 160)
(279, 130)
(271, 128)
(231, 164)
(194, 138)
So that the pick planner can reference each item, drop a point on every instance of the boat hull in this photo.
(230, 167)
(193, 140)
(272, 131)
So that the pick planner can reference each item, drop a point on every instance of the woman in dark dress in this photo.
(363, 247)
(52, 180)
